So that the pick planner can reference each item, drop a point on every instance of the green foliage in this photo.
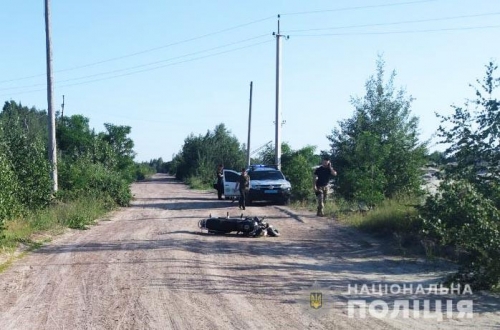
(96, 164)
(393, 216)
(143, 171)
(159, 165)
(465, 212)
(122, 149)
(95, 171)
(268, 156)
(377, 153)
(25, 152)
(78, 214)
(83, 177)
(195, 182)
(9, 206)
(74, 137)
(462, 217)
(437, 157)
(201, 154)
(298, 172)
(297, 167)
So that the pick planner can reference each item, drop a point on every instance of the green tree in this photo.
(267, 155)
(377, 152)
(296, 165)
(74, 136)
(117, 137)
(465, 212)
(9, 205)
(437, 157)
(24, 136)
(201, 154)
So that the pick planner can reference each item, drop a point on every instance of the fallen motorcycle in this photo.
(246, 226)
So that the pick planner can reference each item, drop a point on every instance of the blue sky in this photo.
(172, 68)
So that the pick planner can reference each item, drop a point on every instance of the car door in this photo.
(230, 179)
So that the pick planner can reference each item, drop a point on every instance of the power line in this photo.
(395, 23)
(147, 50)
(399, 32)
(252, 38)
(252, 45)
(144, 65)
(144, 70)
(358, 7)
(215, 33)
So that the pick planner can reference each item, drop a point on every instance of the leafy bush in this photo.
(9, 205)
(197, 183)
(462, 217)
(389, 218)
(298, 171)
(86, 178)
(143, 171)
(23, 134)
(201, 154)
(465, 213)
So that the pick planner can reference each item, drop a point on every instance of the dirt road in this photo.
(149, 267)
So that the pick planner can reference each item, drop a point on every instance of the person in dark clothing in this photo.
(243, 185)
(322, 176)
(220, 183)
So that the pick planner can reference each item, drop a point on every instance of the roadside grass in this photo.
(394, 219)
(34, 229)
(197, 183)
(392, 216)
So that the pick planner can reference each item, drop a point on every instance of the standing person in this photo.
(321, 177)
(243, 185)
(220, 183)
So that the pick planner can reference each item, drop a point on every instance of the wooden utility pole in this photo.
(50, 101)
(62, 109)
(277, 146)
(249, 125)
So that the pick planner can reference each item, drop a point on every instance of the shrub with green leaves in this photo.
(23, 134)
(377, 152)
(86, 178)
(465, 213)
(462, 217)
(8, 203)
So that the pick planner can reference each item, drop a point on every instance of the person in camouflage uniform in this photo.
(321, 179)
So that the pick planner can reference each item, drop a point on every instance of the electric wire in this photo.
(147, 50)
(394, 23)
(143, 65)
(357, 7)
(143, 70)
(399, 32)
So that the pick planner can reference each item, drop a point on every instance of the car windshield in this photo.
(266, 175)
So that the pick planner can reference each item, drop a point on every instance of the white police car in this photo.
(267, 183)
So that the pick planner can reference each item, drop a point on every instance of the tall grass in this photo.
(195, 182)
(31, 228)
(390, 217)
